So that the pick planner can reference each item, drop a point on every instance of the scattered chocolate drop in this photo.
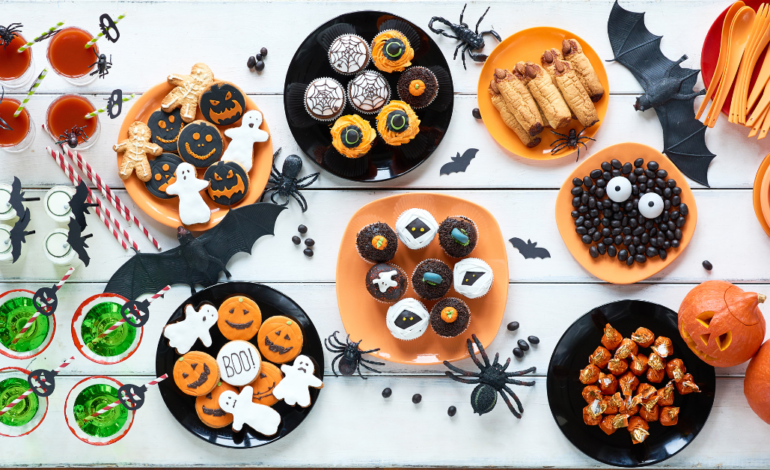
(258, 56)
(251, 63)
(302, 229)
(534, 339)
(416, 398)
(309, 242)
(263, 51)
(513, 326)
(308, 252)
(476, 113)
(707, 265)
(387, 392)
(523, 345)
(451, 411)
(260, 66)
(518, 352)
(296, 240)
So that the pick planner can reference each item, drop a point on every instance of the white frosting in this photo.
(294, 387)
(239, 363)
(182, 335)
(261, 418)
(56, 203)
(192, 208)
(6, 249)
(369, 91)
(413, 306)
(241, 147)
(463, 274)
(385, 280)
(651, 205)
(407, 236)
(619, 189)
(6, 211)
(348, 54)
(325, 98)
(56, 248)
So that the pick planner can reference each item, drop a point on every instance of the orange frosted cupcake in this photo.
(352, 136)
(391, 51)
(397, 123)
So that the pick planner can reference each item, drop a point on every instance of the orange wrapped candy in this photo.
(628, 383)
(592, 414)
(616, 401)
(676, 369)
(600, 357)
(606, 425)
(653, 414)
(626, 349)
(609, 405)
(608, 383)
(591, 393)
(590, 374)
(655, 376)
(669, 416)
(629, 407)
(643, 337)
(617, 366)
(666, 395)
(656, 371)
(611, 339)
(663, 346)
(639, 429)
(687, 385)
(620, 420)
(638, 364)
(645, 391)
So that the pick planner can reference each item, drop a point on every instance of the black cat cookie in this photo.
(165, 128)
(200, 144)
(222, 104)
(228, 183)
(163, 169)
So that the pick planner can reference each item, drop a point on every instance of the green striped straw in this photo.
(104, 110)
(49, 31)
(31, 92)
(100, 35)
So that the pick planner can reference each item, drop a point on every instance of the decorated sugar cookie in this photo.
(241, 147)
(196, 373)
(222, 104)
(165, 128)
(263, 386)
(208, 409)
(228, 183)
(294, 388)
(192, 208)
(260, 418)
(200, 144)
(182, 335)
(239, 363)
(163, 174)
(239, 318)
(188, 90)
(136, 150)
(280, 339)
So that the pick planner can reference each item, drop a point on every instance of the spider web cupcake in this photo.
(368, 92)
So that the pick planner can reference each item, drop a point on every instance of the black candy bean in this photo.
(308, 252)
(638, 162)
(523, 345)
(387, 392)
(296, 240)
(416, 398)
(577, 181)
(533, 339)
(513, 326)
(302, 229)
(596, 174)
(616, 164)
(707, 265)
(476, 113)
(518, 352)
(451, 411)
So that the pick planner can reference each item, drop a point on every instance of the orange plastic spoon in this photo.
(735, 101)
(762, 39)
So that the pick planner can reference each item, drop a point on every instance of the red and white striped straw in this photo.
(122, 209)
(36, 314)
(115, 403)
(120, 322)
(24, 395)
(75, 179)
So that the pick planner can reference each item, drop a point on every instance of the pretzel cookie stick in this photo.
(519, 101)
(573, 53)
(546, 94)
(508, 118)
(573, 91)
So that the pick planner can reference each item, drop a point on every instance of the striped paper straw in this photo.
(120, 322)
(75, 179)
(48, 31)
(31, 92)
(115, 403)
(37, 313)
(100, 35)
(24, 395)
(104, 109)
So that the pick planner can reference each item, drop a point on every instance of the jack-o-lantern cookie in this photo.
(163, 174)
(280, 339)
(239, 363)
(165, 128)
(239, 318)
(269, 376)
(196, 373)
(222, 104)
(200, 144)
(228, 183)
(208, 409)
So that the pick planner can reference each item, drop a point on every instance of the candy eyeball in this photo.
(650, 205)
(619, 189)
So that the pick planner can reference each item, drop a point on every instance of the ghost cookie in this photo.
(163, 174)
(208, 409)
(269, 376)
(196, 373)
(280, 339)
(260, 418)
(183, 334)
(222, 104)
(241, 146)
(239, 318)
(228, 183)
(298, 377)
(192, 208)
(239, 363)
(200, 144)
(136, 150)
(187, 91)
(165, 128)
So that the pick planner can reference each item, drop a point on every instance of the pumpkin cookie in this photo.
(200, 144)
(228, 183)
(239, 318)
(222, 104)
(196, 373)
(163, 174)
(188, 90)
(280, 339)
(135, 151)
(208, 409)
(165, 128)
(269, 376)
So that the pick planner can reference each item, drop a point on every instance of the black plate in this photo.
(311, 62)
(566, 401)
(271, 303)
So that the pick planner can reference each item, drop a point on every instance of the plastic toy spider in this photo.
(103, 65)
(70, 137)
(492, 379)
(286, 184)
(349, 356)
(8, 33)
(469, 41)
(571, 141)
(3, 125)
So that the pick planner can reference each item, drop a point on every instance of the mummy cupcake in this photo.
(349, 54)
(407, 319)
(386, 282)
(450, 317)
(416, 228)
(391, 51)
(368, 92)
(472, 278)
(324, 99)
(432, 279)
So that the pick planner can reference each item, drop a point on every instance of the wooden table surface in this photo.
(352, 425)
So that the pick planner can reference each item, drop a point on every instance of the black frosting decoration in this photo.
(406, 319)
(398, 121)
(351, 136)
(393, 48)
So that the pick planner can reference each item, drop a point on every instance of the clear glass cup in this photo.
(22, 132)
(94, 316)
(29, 413)
(70, 59)
(16, 308)
(89, 396)
(17, 69)
(69, 111)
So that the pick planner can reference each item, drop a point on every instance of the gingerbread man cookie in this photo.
(261, 418)
(188, 91)
(293, 389)
(135, 151)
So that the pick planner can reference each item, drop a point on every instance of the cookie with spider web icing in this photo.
(368, 92)
(349, 54)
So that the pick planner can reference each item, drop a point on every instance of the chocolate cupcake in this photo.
(324, 99)
(418, 87)
(450, 317)
(368, 92)
(349, 54)
(377, 243)
(432, 279)
(458, 236)
(473, 278)
(407, 319)
(386, 282)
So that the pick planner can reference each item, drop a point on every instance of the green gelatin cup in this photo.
(25, 411)
(14, 314)
(98, 319)
(92, 399)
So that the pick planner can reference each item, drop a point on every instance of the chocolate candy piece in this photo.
(707, 265)
(387, 392)
(263, 51)
(513, 326)
(476, 113)
(302, 229)
(309, 242)
(416, 398)
(260, 66)
(452, 411)
(251, 62)
(533, 339)
(523, 345)
(295, 239)
(308, 252)
(518, 352)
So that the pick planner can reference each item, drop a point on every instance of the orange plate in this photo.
(166, 211)
(604, 267)
(364, 317)
(759, 190)
(764, 195)
(528, 45)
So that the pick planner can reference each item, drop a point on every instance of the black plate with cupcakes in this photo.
(368, 96)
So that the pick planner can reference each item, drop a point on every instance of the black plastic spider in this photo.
(286, 184)
(3, 125)
(103, 65)
(349, 356)
(469, 41)
(492, 379)
(70, 137)
(571, 141)
(8, 33)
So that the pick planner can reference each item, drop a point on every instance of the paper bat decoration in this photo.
(459, 163)
(17, 197)
(79, 205)
(78, 241)
(528, 249)
(667, 89)
(196, 260)
(19, 235)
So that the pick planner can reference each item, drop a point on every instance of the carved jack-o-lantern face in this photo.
(163, 174)
(207, 407)
(280, 339)
(196, 373)
(200, 144)
(721, 323)
(165, 128)
(239, 318)
(268, 377)
(222, 104)
(228, 183)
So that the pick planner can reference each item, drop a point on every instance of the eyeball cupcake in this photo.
(458, 236)
(377, 243)
(368, 92)
(416, 228)
(450, 317)
(417, 86)
(432, 279)
(386, 282)
(397, 123)
(472, 278)
(407, 319)
(352, 136)
(391, 51)
(349, 54)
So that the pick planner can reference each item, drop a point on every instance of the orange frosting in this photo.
(382, 61)
(398, 138)
(379, 242)
(449, 314)
(416, 87)
(366, 141)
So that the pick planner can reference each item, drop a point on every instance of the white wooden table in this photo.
(352, 425)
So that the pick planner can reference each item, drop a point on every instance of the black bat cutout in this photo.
(459, 163)
(529, 249)
(42, 382)
(79, 205)
(196, 260)
(132, 396)
(17, 198)
(78, 241)
(46, 301)
(19, 234)
(667, 88)
(136, 313)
